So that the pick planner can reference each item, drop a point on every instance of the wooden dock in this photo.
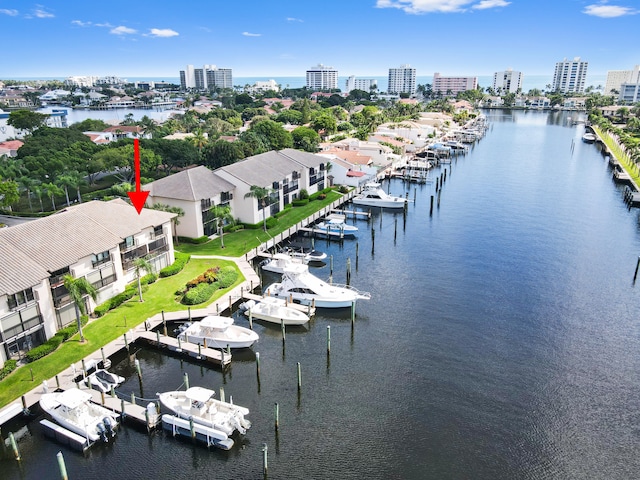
(197, 351)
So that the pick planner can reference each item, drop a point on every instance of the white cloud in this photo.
(9, 11)
(40, 12)
(484, 4)
(122, 30)
(206, 29)
(292, 19)
(163, 32)
(247, 34)
(425, 6)
(608, 11)
(80, 23)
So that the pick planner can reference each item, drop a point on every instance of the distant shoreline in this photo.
(529, 83)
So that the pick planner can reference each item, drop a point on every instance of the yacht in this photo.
(589, 137)
(300, 286)
(274, 310)
(74, 410)
(334, 225)
(279, 261)
(218, 332)
(214, 419)
(308, 253)
(374, 196)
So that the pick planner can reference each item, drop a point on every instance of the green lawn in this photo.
(623, 157)
(242, 241)
(98, 332)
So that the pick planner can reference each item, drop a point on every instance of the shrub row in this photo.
(43, 350)
(149, 278)
(177, 266)
(209, 276)
(227, 276)
(200, 293)
(196, 241)
(9, 366)
(116, 301)
(300, 202)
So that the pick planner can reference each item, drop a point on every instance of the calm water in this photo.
(501, 340)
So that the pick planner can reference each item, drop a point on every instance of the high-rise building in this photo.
(570, 76)
(208, 77)
(402, 80)
(615, 79)
(508, 81)
(366, 84)
(322, 77)
(453, 85)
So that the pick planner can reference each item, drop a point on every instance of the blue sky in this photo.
(285, 37)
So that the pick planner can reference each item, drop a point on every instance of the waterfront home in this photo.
(10, 148)
(574, 103)
(127, 131)
(57, 118)
(345, 173)
(198, 190)
(96, 240)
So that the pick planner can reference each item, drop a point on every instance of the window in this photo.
(100, 258)
(20, 298)
(157, 231)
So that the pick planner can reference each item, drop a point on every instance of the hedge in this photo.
(200, 294)
(300, 202)
(149, 278)
(116, 301)
(177, 266)
(227, 276)
(44, 349)
(196, 241)
(9, 366)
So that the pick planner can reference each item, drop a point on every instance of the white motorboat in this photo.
(335, 225)
(589, 137)
(279, 261)
(218, 332)
(199, 404)
(374, 196)
(74, 410)
(300, 286)
(308, 254)
(275, 310)
(103, 380)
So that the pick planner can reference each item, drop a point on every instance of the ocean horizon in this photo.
(529, 82)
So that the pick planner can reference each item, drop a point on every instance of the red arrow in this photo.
(138, 197)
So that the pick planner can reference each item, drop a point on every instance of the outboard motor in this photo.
(108, 425)
(102, 431)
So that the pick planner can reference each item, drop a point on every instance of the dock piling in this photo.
(636, 274)
(277, 415)
(328, 339)
(14, 446)
(62, 467)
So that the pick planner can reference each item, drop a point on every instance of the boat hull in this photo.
(276, 313)
(399, 203)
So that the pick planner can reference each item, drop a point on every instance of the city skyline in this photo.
(362, 38)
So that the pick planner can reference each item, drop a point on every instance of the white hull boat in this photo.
(308, 254)
(279, 261)
(374, 196)
(589, 137)
(199, 404)
(218, 332)
(74, 410)
(103, 380)
(335, 225)
(211, 436)
(275, 310)
(300, 286)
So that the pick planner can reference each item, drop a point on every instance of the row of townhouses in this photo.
(96, 240)
(101, 240)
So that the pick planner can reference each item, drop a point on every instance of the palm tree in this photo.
(140, 264)
(52, 190)
(261, 194)
(38, 190)
(199, 139)
(222, 214)
(78, 288)
(327, 170)
(29, 183)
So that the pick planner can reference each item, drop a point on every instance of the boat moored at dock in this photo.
(219, 332)
(374, 196)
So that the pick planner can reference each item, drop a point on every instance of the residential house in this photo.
(10, 148)
(96, 240)
(196, 191)
(350, 167)
(127, 131)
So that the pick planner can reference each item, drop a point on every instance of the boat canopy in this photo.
(216, 321)
(73, 398)
(199, 394)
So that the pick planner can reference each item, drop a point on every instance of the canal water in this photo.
(501, 340)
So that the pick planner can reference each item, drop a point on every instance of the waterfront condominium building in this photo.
(451, 86)
(402, 80)
(366, 84)
(615, 79)
(508, 81)
(209, 77)
(322, 77)
(570, 76)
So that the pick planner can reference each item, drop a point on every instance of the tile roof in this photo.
(350, 156)
(60, 240)
(17, 271)
(11, 144)
(193, 184)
